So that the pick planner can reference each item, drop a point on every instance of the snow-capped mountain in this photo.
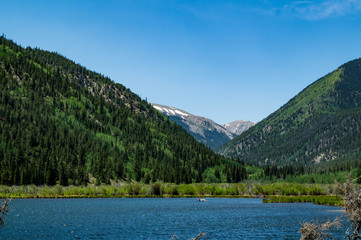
(238, 127)
(202, 129)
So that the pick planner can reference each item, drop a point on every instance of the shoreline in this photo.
(330, 200)
(269, 192)
(31, 196)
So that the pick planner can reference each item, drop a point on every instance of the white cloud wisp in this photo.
(310, 10)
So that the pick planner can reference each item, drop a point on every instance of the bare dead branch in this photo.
(352, 204)
(4, 208)
(173, 237)
(199, 236)
(318, 231)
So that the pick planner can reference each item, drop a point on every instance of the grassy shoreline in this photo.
(331, 200)
(320, 200)
(270, 192)
(128, 196)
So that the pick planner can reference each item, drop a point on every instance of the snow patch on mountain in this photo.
(238, 127)
(170, 111)
(202, 129)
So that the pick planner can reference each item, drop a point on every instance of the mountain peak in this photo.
(238, 127)
(204, 129)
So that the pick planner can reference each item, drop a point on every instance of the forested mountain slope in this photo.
(320, 124)
(60, 122)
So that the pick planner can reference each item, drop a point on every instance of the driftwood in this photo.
(316, 231)
(4, 208)
(199, 236)
(352, 202)
(352, 205)
(174, 236)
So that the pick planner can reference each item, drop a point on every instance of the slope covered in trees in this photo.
(321, 124)
(61, 123)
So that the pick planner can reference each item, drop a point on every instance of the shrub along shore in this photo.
(271, 192)
(331, 200)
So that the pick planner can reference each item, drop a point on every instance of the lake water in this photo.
(159, 219)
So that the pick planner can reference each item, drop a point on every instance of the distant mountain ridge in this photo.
(239, 126)
(320, 124)
(203, 129)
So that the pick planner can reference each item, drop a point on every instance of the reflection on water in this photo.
(160, 219)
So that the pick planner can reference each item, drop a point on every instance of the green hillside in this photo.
(61, 123)
(322, 123)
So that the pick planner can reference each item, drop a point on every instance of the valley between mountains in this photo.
(63, 124)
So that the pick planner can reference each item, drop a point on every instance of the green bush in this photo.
(241, 188)
(232, 190)
(174, 190)
(133, 189)
(185, 189)
(258, 189)
(156, 189)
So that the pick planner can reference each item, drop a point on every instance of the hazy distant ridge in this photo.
(238, 127)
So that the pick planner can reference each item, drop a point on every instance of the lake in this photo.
(140, 218)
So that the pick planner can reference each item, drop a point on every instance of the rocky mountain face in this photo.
(238, 127)
(322, 124)
(204, 129)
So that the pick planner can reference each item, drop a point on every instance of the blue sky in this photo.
(225, 60)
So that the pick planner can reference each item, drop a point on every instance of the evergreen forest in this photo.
(63, 124)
